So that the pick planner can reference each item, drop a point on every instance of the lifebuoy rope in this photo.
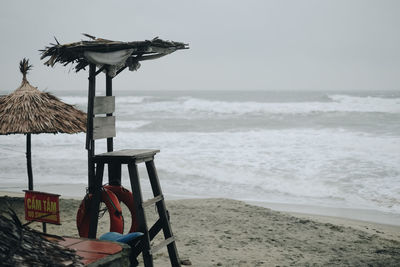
(112, 205)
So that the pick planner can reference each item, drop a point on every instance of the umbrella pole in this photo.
(29, 161)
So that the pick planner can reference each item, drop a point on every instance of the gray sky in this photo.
(240, 45)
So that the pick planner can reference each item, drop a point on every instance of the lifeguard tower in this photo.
(112, 57)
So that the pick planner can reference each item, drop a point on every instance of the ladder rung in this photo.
(162, 244)
(152, 201)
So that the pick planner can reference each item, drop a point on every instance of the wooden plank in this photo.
(131, 153)
(152, 201)
(104, 104)
(144, 159)
(103, 127)
(162, 244)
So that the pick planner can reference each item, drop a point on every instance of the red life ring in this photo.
(114, 209)
(126, 197)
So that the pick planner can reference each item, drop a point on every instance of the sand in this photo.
(224, 232)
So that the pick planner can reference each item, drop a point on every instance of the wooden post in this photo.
(29, 161)
(114, 169)
(140, 215)
(110, 143)
(95, 203)
(89, 126)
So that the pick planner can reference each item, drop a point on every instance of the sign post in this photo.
(42, 207)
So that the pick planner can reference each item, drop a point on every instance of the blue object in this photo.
(114, 236)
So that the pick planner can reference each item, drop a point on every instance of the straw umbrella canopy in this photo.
(30, 111)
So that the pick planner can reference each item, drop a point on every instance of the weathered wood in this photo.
(162, 211)
(114, 170)
(91, 95)
(104, 104)
(120, 70)
(29, 161)
(103, 127)
(95, 203)
(110, 142)
(130, 153)
(100, 70)
(141, 216)
(114, 173)
(155, 229)
(131, 157)
(152, 201)
(127, 155)
(90, 146)
(162, 244)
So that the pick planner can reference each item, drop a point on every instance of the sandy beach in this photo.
(225, 232)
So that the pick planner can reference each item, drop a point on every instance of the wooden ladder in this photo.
(131, 157)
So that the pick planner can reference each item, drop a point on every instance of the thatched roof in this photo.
(28, 110)
(22, 246)
(139, 50)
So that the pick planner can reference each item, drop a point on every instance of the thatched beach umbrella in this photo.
(30, 111)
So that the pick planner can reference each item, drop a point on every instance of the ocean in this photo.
(327, 149)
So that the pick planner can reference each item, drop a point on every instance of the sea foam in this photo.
(337, 150)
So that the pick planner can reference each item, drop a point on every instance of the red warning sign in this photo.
(42, 207)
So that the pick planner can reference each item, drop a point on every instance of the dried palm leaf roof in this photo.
(74, 52)
(23, 246)
(28, 110)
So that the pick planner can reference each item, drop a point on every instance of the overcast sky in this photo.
(239, 45)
